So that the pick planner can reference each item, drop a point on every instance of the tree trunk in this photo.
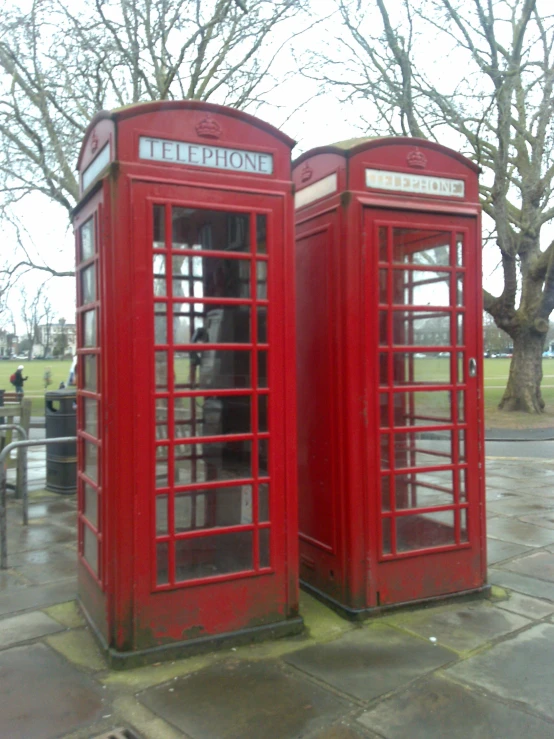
(523, 391)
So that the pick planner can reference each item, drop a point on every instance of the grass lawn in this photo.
(34, 370)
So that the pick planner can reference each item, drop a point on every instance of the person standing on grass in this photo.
(18, 380)
(47, 377)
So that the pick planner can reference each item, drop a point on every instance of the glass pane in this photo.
(212, 416)
(223, 460)
(383, 254)
(387, 543)
(383, 286)
(262, 369)
(89, 380)
(210, 230)
(263, 502)
(162, 563)
(384, 409)
(89, 328)
(90, 420)
(264, 543)
(385, 451)
(212, 369)
(158, 235)
(229, 506)
(424, 368)
(385, 493)
(261, 234)
(461, 446)
(463, 525)
(161, 406)
(460, 250)
(384, 328)
(460, 290)
(161, 515)
(460, 329)
(189, 417)
(461, 406)
(383, 368)
(160, 370)
(210, 277)
(425, 248)
(160, 323)
(263, 457)
(461, 373)
(91, 504)
(87, 240)
(160, 287)
(424, 489)
(262, 413)
(91, 460)
(420, 328)
(229, 325)
(425, 531)
(162, 466)
(262, 324)
(424, 288)
(421, 408)
(90, 547)
(206, 556)
(88, 284)
(423, 449)
(463, 485)
(261, 280)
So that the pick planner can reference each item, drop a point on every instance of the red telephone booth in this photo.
(186, 398)
(389, 352)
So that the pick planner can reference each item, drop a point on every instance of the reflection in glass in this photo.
(385, 493)
(212, 369)
(88, 284)
(210, 277)
(424, 489)
(202, 229)
(189, 417)
(91, 460)
(263, 502)
(421, 328)
(386, 529)
(421, 408)
(89, 365)
(417, 246)
(90, 412)
(160, 370)
(89, 328)
(161, 515)
(384, 327)
(464, 536)
(460, 250)
(461, 372)
(162, 563)
(422, 449)
(383, 286)
(262, 369)
(262, 324)
(90, 549)
(423, 368)
(261, 234)
(162, 466)
(158, 235)
(463, 485)
(261, 280)
(383, 253)
(213, 507)
(264, 542)
(384, 409)
(460, 290)
(87, 239)
(161, 405)
(160, 323)
(212, 416)
(160, 288)
(425, 288)
(460, 324)
(262, 413)
(207, 556)
(461, 406)
(218, 460)
(91, 504)
(385, 451)
(263, 457)
(425, 531)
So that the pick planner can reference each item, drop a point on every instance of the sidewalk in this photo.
(469, 670)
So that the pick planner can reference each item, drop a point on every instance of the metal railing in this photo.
(23, 445)
(21, 480)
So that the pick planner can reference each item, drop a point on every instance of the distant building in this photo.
(8, 343)
(56, 339)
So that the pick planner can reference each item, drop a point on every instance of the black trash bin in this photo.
(61, 459)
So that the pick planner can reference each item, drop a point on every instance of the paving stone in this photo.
(539, 565)
(546, 519)
(343, 732)
(45, 565)
(463, 627)
(517, 669)
(26, 626)
(11, 581)
(435, 708)
(371, 661)
(38, 596)
(526, 606)
(37, 536)
(521, 583)
(235, 699)
(80, 647)
(498, 550)
(43, 697)
(520, 505)
(510, 529)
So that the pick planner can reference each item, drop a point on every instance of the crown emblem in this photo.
(93, 142)
(417, 159)
(208, 128)
(306, 173)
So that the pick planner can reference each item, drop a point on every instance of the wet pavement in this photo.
(477, 669)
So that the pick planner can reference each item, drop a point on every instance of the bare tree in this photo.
(61, 64)
(478, 74)
(34, 308)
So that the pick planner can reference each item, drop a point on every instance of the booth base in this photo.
(178, 650)
(361, 614)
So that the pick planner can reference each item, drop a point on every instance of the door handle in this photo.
(472, 367)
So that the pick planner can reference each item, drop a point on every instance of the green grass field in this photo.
(34, 370)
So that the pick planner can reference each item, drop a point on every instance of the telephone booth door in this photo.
(424, 361)
(216, 517)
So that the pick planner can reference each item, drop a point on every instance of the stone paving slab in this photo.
(526, 606)
(235, 699)
(521, 583)
(518, 669)
(370, 662)
(510, 529)
(498, 550)
(539, 565)
(42, 696)
(546, 519)
(521, 506)
(39, 596)
(40, 566)
(463, 628)
(435, 708)
(26, 626)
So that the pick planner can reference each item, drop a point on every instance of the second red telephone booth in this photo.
(391, 481)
